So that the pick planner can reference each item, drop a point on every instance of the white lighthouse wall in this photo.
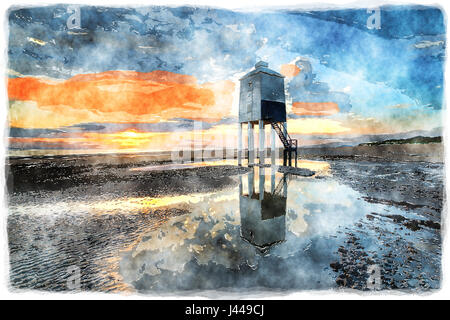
(263, 87)
(250, 99)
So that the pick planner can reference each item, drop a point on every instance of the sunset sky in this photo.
(157, 78)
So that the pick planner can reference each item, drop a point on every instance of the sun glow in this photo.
(129, 139)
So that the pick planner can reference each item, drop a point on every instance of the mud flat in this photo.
(150, 226)
(86, 178)
(409, 177)
(431, 152)
(417, 189)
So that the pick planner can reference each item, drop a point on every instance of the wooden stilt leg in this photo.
(251, 145)
(261, 141)
(239, 152)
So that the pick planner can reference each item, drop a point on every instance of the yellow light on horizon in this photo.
(130, 138)
(315, 126)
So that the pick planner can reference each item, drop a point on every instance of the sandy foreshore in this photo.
(82, 210)
(431, 152)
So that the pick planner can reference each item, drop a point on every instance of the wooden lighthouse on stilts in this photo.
(262, 102)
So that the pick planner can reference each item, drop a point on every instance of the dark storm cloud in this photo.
(142, 39)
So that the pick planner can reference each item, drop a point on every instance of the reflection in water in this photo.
(263, 214)
(211, 240)
(225, 240)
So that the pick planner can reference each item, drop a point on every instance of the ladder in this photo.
(280, 129)
(290, 145)
(279, 187)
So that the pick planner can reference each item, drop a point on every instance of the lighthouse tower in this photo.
(262, 102)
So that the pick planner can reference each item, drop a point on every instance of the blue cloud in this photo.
(400, 63)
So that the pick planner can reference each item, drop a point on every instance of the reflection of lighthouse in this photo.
(263, 214)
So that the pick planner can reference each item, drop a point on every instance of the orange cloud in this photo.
(136, 96)
(315, 108)
(289, 70)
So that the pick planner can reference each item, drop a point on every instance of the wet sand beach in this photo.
(142, 227)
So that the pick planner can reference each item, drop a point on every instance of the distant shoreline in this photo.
(413, 140)
(430, 152)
